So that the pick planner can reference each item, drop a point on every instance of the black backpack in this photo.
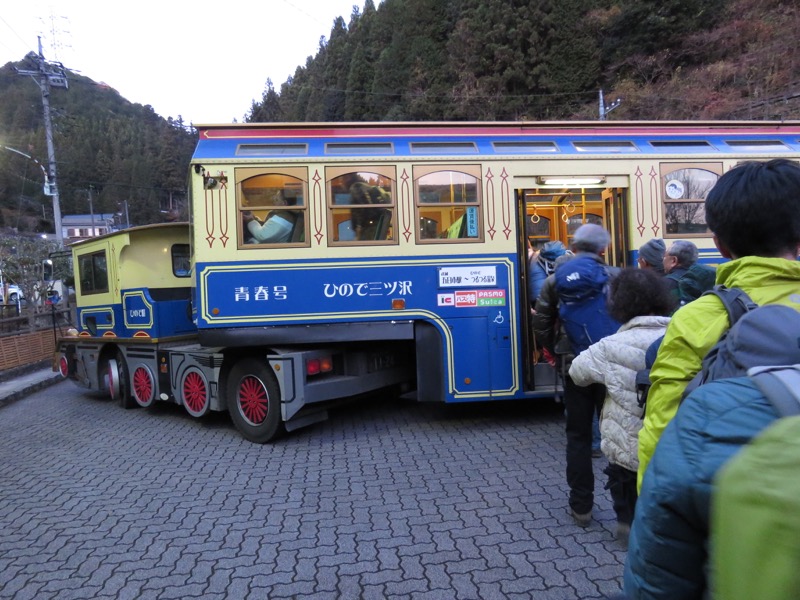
(692, 284)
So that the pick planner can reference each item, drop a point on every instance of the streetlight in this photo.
(48, 189)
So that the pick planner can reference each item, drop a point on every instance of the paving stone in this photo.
(387, 499)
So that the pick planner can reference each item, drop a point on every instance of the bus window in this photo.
(448, 203)
(361, 205)
(576, 220)
(181, 264)
(93, 273)
(272, 210)
(684, 191)
(538, 229)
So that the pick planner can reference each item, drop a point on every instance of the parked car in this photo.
(14, 294)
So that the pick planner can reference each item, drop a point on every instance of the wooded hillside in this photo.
(544, 60)
(422, 60)
(119, 151)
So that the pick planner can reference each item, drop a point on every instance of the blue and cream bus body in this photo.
(398, 255)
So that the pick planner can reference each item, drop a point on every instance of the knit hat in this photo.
(653, 253)
(591, 237)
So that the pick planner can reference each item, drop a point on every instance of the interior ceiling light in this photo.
(571, 181)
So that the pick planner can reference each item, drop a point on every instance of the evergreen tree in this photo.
(498, 51)
(388, 36)
(269, 110)
(101, 140)
(314, 93)
(573, 61)
(361, 70)
(338, 55)
(650, 26)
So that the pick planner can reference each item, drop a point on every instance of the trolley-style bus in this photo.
(325, 260)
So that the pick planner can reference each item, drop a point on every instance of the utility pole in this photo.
(49, 75)
(604, 110)
(91, 212)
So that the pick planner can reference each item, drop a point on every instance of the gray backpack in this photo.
(760, 336)
(781, 386)
(756, 500)
(736, 303)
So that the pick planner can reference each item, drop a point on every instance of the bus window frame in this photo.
(92, 256)
(471, 170)
(299, 173)
(332, 208)
(181, 252)
(666, 169)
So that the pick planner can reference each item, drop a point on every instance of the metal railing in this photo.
(12, 320)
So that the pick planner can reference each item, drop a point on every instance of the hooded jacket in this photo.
(543, 266)
(697, 326)
(668, 544)
(614, 361)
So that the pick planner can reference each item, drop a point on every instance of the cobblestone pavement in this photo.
(387, 499)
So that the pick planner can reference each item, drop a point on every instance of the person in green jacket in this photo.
(754, 214)
(755, 527)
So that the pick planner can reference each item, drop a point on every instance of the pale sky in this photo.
(205, 61)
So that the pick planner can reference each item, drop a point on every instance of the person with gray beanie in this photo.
(651, 255)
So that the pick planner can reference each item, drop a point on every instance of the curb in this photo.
(29, 389)
(15, 372)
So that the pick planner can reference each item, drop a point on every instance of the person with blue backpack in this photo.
(542, 266)
(571, 315)
(754, 214)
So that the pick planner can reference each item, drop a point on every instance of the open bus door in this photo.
(548, 214)
(616, 210)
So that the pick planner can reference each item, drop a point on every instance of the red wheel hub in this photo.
(142, 385)
(253, 399)
(195, 394)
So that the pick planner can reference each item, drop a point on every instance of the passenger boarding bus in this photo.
(326, 260)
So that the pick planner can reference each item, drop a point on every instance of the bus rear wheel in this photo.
(119, 381)
(254, 401)
(143, 386)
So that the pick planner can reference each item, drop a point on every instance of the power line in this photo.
(12, 30)
(298, 9)
(453, 95)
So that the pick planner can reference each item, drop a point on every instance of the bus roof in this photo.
(257, 141)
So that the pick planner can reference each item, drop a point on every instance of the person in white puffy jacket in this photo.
(641, 301)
